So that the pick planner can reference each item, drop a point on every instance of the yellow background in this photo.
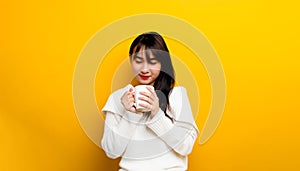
(257, 43)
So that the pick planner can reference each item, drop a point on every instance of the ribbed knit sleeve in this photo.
(119, 126)
(181, 134)
(118, 131)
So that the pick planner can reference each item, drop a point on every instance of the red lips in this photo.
(144, 77)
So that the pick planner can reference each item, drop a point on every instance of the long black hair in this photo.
(164, 83)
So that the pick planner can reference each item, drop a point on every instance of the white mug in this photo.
(137, 90)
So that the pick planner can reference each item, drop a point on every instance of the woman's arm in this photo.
(180, 134)
(118, 131)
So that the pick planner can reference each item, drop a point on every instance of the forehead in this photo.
(144, 53)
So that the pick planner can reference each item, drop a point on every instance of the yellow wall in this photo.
(257, 43)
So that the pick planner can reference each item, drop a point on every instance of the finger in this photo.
(131, 99)
(150, 96)
(147, 94)
(152, 91)
(131, 104)
(130, 95)
(146, 99)
(145, 105)
(132, 109)
(124, 95)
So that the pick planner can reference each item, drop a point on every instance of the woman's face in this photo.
(145, 70)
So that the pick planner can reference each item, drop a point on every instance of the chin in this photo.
(145, 82)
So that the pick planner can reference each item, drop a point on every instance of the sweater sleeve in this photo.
(118, 131)
(180, 134)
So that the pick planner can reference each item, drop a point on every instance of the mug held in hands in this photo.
(137, 90)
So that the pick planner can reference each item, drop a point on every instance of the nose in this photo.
(145, 68)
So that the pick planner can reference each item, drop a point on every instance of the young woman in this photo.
(161, 138)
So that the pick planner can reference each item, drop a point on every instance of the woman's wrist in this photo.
(154, 113)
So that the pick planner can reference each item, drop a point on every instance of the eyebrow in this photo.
(135, 56)
(149, 59)
(152, 59)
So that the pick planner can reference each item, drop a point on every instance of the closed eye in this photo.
(138, 59)
(153, 61)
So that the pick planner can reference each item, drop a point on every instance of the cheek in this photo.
(156, 70)
(135, 68)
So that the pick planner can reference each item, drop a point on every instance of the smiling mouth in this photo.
(144, 77)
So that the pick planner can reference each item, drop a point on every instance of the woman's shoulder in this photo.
(177, 91)
(178, 101)
(179, 88)
(176, 96)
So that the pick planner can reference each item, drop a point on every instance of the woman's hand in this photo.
(127, 100)
(152, 101)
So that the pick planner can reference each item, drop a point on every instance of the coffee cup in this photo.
(137, 90)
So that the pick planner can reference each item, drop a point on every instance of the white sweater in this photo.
(149, 144)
